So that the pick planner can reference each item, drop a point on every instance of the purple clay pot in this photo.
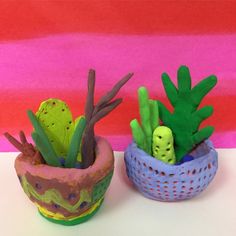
(163, 182)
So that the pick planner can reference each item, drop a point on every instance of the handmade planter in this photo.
(163, 182)
(67, 170)
(67, 196)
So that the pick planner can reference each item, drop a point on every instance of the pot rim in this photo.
(155, 163)
(104, 160)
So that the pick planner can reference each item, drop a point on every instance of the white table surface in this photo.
(125, 211)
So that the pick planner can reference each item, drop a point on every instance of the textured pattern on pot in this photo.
(160, 181)
(67, 193)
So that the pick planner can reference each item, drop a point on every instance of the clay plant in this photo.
(185, 159)
(163, 145)
(95, 112)
(46, 140)
(56, 120)
(28, 150)
(148, 109)
(186, 118)
(59, 140)
(149, 136)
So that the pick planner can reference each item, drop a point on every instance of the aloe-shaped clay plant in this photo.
(186, 118)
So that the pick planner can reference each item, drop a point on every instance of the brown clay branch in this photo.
(14, 142)
(88, 147)
(105, 111)
(111, 94)
(24, 147)
(22, 137)
(95, 113)
(88, 141)
(90, 97)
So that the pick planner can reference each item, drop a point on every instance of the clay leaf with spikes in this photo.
(185, 119)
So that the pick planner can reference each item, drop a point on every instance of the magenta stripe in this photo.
(62, 62)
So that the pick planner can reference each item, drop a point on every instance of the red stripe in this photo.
(36, 18)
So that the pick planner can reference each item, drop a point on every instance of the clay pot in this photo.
(67, 196)
(163, 182)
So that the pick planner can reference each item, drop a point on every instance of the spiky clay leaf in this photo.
(186, 119)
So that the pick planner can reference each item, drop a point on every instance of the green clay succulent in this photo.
(163, 145)
(148, 109)
(62, 142)
(186, 118)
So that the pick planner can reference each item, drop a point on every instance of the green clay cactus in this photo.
(163, 145)
(56, 119)
(186, 119)
(148, 109)
(56, 135)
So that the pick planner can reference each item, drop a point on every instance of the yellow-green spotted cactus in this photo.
(163, 145)
(56, 119)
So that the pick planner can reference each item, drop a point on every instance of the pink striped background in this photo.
(56, 66)
(47, 48)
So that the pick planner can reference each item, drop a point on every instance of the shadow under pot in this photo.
(67, 196)
(163, 182)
